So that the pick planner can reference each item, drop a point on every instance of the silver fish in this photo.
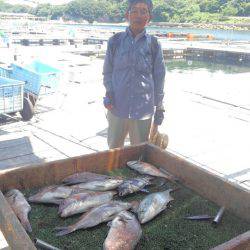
(20, 207)
(79, 203)
(84, 177)
(53, 194)
(153, 204)
(124, 234)
(95, 216)
(133, 185)
(100, 185)
(149, 169)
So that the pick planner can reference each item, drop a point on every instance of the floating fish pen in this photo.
(185, 36)
(56, 41)
(95, 40)
(47, 41)
(199, 192)
(174, 53)
(219, 56)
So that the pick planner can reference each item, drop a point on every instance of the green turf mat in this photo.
(169, 230)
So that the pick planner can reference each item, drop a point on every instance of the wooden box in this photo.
(206, 184)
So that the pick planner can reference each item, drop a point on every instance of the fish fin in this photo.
(135, 205)
(109, 224)
(144, 190)
(174, 189)
(64, 230)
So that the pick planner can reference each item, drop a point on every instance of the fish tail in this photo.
(64, 230)
(57, 201)
(168, 175)
(162, 182)
(27, 226)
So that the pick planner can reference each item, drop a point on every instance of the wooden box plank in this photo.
(54, 172)
(241, 242)
(12, 229)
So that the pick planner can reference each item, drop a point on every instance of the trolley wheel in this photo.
(28, 109)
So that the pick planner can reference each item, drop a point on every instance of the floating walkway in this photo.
(41, 41)
(214, 51)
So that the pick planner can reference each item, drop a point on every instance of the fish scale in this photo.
(124, 234)
(153, 204)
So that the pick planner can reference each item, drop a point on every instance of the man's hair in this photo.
(133, 2)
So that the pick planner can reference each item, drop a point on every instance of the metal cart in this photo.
(39, 79)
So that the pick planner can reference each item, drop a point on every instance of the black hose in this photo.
(44, 245)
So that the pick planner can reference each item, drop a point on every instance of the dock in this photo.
(72, 121)
(217, 52)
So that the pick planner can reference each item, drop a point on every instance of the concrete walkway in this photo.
(206, 124)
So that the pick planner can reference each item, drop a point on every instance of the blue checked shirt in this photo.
(135, 81)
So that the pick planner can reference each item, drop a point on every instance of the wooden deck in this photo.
(73, 122)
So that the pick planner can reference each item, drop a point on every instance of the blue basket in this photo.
(5, 72)
(11, 95)
(39, 78)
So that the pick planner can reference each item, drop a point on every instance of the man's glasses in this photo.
(141, 12)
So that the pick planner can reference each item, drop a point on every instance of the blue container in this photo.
(5, 72)
(39, 78)
(11, 95)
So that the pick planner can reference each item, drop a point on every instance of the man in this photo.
(134, 73)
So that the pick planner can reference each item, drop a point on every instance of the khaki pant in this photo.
(119, 128)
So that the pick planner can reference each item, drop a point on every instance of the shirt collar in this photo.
(138, 36)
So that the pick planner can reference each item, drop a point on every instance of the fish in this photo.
(53, 194)
(153, 204)
(133, 185)
(79, 203)
(149, 169)
(124, 234)
(20, 207)
(84, 177)
(95, 216)
(100, 185)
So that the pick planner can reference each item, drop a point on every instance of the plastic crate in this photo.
(39, 78)
(5, 72)
(11, 95)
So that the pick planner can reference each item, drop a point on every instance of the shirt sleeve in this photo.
(159, 77)
(108, 67)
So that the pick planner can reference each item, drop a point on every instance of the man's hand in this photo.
(108, 101)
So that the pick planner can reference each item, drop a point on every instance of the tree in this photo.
(160, 13)
(57, 11)
(211, 6)
(229, 10)
(43, 10)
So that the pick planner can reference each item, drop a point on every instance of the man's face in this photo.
(138, 16)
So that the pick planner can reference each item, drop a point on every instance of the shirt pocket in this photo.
(121, 58)
(144, 60)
